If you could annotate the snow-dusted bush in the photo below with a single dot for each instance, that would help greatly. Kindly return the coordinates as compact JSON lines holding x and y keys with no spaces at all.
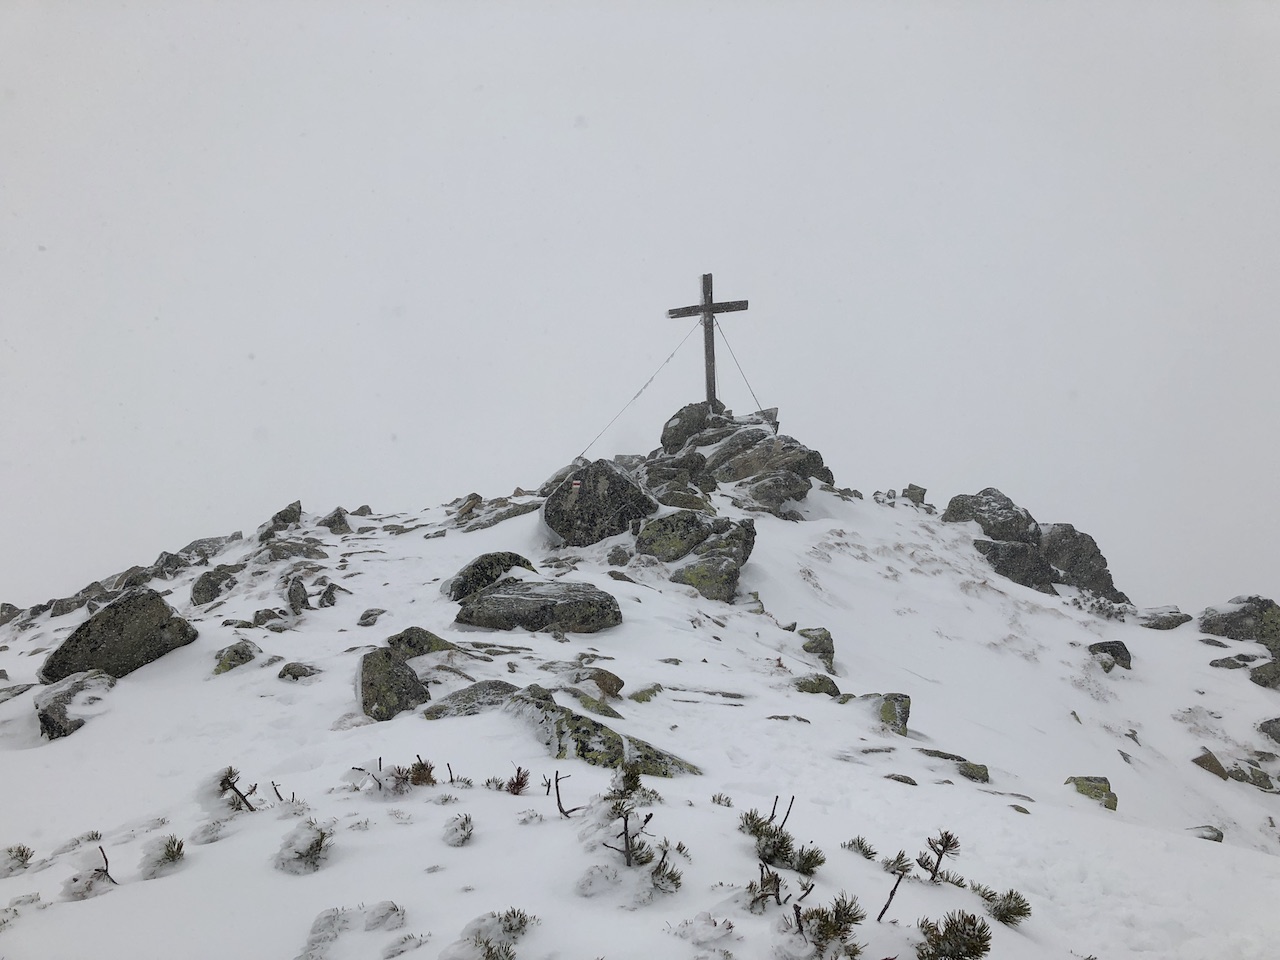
{"x":306,"y":848}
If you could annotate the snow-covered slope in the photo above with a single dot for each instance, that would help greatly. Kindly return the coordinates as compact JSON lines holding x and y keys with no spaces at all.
{"x":996,"y":673}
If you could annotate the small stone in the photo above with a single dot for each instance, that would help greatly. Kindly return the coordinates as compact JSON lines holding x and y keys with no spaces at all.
{"x":817,"y":683}
{"x":1208,"y":761}
{"x":235,"y":655}
{"x":1020,"y":808}
{"x":297,"y":671}
{"x":1115,"y":650}
{"x":297,"y":596}
{"x":901,"y":778}
{"x":1096,"y":788}
{"x":619,"y":556}
{"x":1206,"y":832}
{"x":370,"y":617}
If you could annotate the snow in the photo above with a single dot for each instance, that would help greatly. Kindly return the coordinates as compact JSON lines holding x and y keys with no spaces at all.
{"x":996,"y":673}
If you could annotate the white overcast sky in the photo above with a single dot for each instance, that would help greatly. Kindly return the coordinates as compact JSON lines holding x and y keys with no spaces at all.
{"x":395,"y":252}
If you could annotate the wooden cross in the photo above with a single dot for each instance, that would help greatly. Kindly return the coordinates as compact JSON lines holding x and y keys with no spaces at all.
{"x":708,"y":308}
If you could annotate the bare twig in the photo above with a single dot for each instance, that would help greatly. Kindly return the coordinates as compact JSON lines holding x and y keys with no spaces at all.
{"x":276,"y":787}
{"x":106,"y":866}
{"x":563,"y":812}
{"x":788,"y":813}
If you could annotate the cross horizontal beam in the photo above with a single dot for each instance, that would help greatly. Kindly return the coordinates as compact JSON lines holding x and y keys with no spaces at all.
{"x":699,"y":309}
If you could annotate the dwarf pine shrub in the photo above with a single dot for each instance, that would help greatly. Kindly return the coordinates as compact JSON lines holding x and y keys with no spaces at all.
{"x":458,"y":831}
{"x":945,"y":844}
{"x":518,"y":783}
{"x":19,"y":854}
{"x":807,"y":860}
{"x":860,"y":846}
{"x":422,"y":773}
{"x":1010,"y":908}
{"x":960,"y":936}
{"x":829,"y":929}
{"x":173,"y":849}
{"x":722,"y":800}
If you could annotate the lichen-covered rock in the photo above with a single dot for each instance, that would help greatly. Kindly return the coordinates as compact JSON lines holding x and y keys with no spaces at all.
{"x":1095,"y":788}
{"x":716,"y":578}
{"x":817,"y":683}
{"x":275,"y":550}
{"x":1271,"y":728}
{"x":135,"y":629}
{"x":290,"y":516}
{"x":566,"y":733}
{"x":67,"y":705}
{"x":1208,"y":761}
{"x":673,"y":536}
{"x":417,"y":642}
{"x":1020,"y":562}
{"x":817,"y":641}
{"x":485,"y":695}
{"x":530,"y":605}
{"x":595,"y":502}
{"x":1162,"y":618}
{"x":8,"y":612}
{"x":484,"y":570}
{"x":297,"y":671}
{"x":756,"y":450}
{"x":1245,"y":618}
{"x":336,"y":522}
{"x":1113,"y":650}
{"x":387,"y":686}
{"x":214,"y":583}
{"x":688,"y":421}
{"x":892,"y":709}
{"x":914,"y":493}
{"x":1267,"y":675}
{"x":977,"y":772}
{"x":998,"y":516}
{"x":1078,"y":560}
{"x":235,"y":655}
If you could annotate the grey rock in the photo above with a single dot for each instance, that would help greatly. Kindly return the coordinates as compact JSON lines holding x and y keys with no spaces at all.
{"x":262,"y":618}
{"x":559,"y":605}
{"x":901,"y":778}
{"x":484,"y":570}
{"x":485,"y":695}
{"x":387,"y":686}
{"x":688,"y":421}
{"x":977,"y":772}
{"x":1271,"y":728}
{"x":129,"y":633}
{"x":329,"y":596}
{"x":364,"y":510}
{"x":1020,"y":562}
{"x":998,"y":516}
{"x":235,"y":655}
{"x":8,"y":612}
{"x":595,"y":502}
{"x":1208,"y":761}
{"x":17,"y":690}
{"x":894,"y":710}
{"x":1245,"y":618}
{"x":206,"y":548}
{"x":1228,"y":663}
{"x":818,"y":641}
{"x":1096,"y":788}
{"x":1162,"y":618}
{"x":914,"y":493}
{"x":1210,"y":642}
{"x":566,"y":733}
{"x":1116,"y":650}
{"x":297,"y":671}
{"x":416,"y":642}
{"x":64,"y":707}
{"x":619,"y":556}
{"x":777,"y":488}
{"x":370,"y":617}
{"x":716,"y":578}
{"x":276,"y":550}
{"x":1267,"y":675}
{"x":1206,"y":832}
{"x":1079,"y":561}
{"x":282,"y":520}
{"x":297,"y":596}
{"x":336,"y":522}
{"x":214,"y":583}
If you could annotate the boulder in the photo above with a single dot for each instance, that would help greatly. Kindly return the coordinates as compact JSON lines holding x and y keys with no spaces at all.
{"x":756,"y":449}
{"x":673,"y":536}
{"x":275,"y":550}
{"x":817,"y":683}
{"x":387,"y":686}
{"x":1162,"y":618}
{"x":530,"y":605}
{"x":336,"y":522}
{"x":206,"y":548}
{"x":566,"y":733}
{"x":690,"y":420}
{"x":1114,"y":651}
{"x":214,"y":583}
{"x":370,"y":617}
{"x":1096,"y":788}
{"x":1271,"y":728}
{"x":977,"y":772}
{"x":485,"y":695}
{"x":64,"y":707}
{"x":297,"y":671}
{"x":329,"y":597}
{"x":1078,"y":560}
{"x":1267,"y":675}
{"x":235,"y":655}
{"x":129,"y":633}
{"x":484,"y":570}
{"x":716,"y":578}
{"x":914,"y":493}
{"x":619,"y":556}
{"x":290,"y":516}
{"x":297,"y":596}
{"x":8,"y":612}
{"x":1245,"y":618}
{"x":595,"y":502}
{"x":777,"y":488}
{"x":416,"y":642}
{"x":817,"y":641}
{"x":998,"y":516}
{"x":1020,"y":562}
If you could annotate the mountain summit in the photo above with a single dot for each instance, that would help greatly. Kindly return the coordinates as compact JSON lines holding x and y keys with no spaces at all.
{"x":701,"y":703}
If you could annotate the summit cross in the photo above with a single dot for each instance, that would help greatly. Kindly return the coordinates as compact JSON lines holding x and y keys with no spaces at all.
{"x":708,"y":309}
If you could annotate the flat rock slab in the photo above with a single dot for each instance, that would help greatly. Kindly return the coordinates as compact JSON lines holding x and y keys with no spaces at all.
{"x":570,"y":607}
{"x":467,"y":702}
{"x":484,"y":571}
{"x":136,"y":629}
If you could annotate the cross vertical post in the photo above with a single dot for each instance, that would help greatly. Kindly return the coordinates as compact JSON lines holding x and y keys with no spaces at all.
{"x":708,"y":309}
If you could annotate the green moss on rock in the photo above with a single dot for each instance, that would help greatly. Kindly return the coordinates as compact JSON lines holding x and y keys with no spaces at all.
{"x":1095,"y":788}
